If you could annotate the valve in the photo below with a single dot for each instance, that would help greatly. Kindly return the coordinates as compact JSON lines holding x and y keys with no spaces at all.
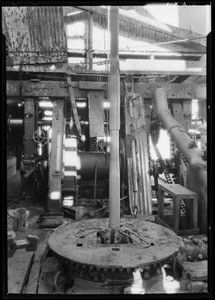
{"x":39,"y":137}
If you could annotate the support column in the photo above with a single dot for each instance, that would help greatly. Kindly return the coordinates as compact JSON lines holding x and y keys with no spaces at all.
{"x":55,"y":168}
{"x":90,"y":41}
{"x":114,"y":92}
{"x":29,"y":128}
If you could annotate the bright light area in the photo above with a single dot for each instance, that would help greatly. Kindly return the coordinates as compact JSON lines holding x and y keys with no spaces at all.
{"x":163,"y":146}
{"x":170,"y":285}
{"x":75,"y":44}
{"x":49,"y":133}
{"x":195,"y":108}
{"x":81,"y":104}
{"x":70,"y":158}
{"x":106,"y":139}
{"x":166,"y":13}
{"x":137,"y":285}
{"x":70,"y":173}
{"x":106,"y":104}
{"x":101,"y":39}
{"x":84,"y":122}
{"x":55,"y":195}
{"x":40,"y":150}
{"x":52,"y":68}
{"x":151,"y":149}
{"x":71,"y":142}
{"x":200,"y":23}
{"x":76,"y":29}
{"x":153,"y":22}
{"x":68,"y":201}
{"x":100,"y":42}
{"x":208,"y":19}
{"x":46,"y":128}
{"x":76,"y":60}
{"x":83,"y":138}
{"x":47,"y":118}
{"x":16,"y":68}
{"x":45,"y":104}
{"x":159,"y":66}
{"x":194,"y":131}
{"x":74,"y":13}
{"x":48,"y":113}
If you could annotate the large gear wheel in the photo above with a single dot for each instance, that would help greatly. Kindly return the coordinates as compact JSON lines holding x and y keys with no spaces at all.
{"x":80,"y":249}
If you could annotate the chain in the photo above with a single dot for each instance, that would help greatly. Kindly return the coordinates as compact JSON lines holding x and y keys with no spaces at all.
{"x":163,"y":165}
{"x":166,"y":173}
{"x":185,"y":161}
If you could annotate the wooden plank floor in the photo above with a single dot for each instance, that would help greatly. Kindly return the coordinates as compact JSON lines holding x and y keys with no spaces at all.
{"x":17,"y":269}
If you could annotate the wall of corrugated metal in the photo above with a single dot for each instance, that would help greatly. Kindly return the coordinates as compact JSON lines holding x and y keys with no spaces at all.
{"x":35,"y":29}
{"x":46,"y":28}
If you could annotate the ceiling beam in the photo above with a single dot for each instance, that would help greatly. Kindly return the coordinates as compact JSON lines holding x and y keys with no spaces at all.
{"x":176,"y":33}
{"x":58,"y":89}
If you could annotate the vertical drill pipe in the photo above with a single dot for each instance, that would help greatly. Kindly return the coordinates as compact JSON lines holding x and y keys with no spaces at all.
{"x":114,"y":124}
{"x":180,"y":137}
{"x":95,"y":181}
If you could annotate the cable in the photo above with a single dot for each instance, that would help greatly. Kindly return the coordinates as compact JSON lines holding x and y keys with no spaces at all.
{"x":164,"y":43}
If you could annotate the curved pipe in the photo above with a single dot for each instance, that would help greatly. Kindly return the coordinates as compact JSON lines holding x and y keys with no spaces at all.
{"x":181,"y":138}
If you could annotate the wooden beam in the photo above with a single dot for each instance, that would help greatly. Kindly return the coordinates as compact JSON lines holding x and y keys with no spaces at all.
{"x":87,"y":85}
{"x":178,"y":113}
{"x":17,"y":268}
{"x":59,"y":89}
{"x":29,"y":127}
{"x":96,"y":113}
{"x":173,"y":90}
{"x":54,"y":204}
{"x":164,"y":66}
{"x":135,"y":65}
{"x":90,"y":40}
{"x":73,"y":106}
{"x":138,"y":55}
{"x":173,"y":32}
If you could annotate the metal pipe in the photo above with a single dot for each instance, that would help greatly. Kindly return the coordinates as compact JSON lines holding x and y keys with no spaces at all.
{"x":181,"y":138}
{"x":134,"y":169}
{"x":114,"y":124}
{"x":141,"y":139}
{"x":95,"y":181}
{"x":12,"y":123}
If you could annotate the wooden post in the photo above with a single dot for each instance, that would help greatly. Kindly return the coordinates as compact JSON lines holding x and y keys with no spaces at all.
{"x":29,"y":128}
{"x":55,"y":169}
{"x":160,"y":203}
{"x":89,"y":43}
